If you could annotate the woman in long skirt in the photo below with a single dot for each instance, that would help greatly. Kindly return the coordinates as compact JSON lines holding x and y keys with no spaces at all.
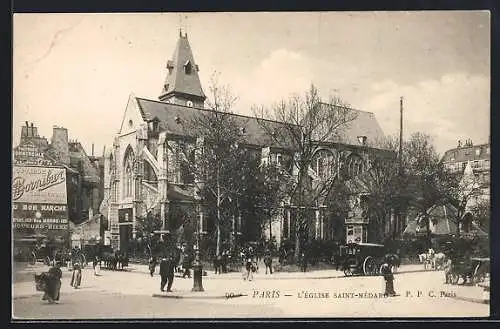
{"x":97,"y":266}
{"x":76,"y":278}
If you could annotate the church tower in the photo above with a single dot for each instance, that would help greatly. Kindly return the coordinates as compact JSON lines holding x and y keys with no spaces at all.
{"x":182,"y":85}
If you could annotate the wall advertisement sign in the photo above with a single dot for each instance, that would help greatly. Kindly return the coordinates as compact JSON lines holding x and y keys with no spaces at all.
{"x":28,"y":154}
{"x":39,"y":199}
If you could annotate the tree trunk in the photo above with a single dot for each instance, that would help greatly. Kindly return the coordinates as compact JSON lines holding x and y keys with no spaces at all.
{"x":270,"y":229}
{"x":459,"y":216}
{"x":428,"y":229}
{"x":296,"y":254}
{"x":217,"y":250}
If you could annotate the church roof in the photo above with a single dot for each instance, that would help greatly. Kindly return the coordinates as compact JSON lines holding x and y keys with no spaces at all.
{"x":175,"y":119}
{"x":364,"y":124}
{"x":182,"y":72}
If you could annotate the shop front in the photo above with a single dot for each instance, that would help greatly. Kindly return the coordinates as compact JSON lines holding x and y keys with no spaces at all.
{"x":39,"y":208}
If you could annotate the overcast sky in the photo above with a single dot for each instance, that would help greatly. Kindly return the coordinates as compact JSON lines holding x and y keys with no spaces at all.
{"x":77,"y":70}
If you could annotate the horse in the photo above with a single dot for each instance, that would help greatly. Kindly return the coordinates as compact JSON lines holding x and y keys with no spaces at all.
{"x":426,"y":259}
{"x":438,"y":261}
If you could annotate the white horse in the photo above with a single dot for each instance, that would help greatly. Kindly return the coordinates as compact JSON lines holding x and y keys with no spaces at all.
{"x":438,"y":261}
{"x":426,"y":259}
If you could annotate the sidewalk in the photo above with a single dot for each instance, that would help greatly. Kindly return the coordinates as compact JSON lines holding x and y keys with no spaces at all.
{"x":317,"y":274}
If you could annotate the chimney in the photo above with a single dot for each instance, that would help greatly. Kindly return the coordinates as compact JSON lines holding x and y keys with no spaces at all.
{"x":24,"y":132}
{"x":92,"y":149}
{"x":34,"y":130}
{"x":60,"y":143}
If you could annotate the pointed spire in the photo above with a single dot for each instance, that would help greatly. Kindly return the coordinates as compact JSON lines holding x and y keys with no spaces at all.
{"x":182,"y":83}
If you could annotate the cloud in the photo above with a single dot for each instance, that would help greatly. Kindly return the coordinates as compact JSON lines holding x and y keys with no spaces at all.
{"x":456,"y":106}
{"x":278,"y":76}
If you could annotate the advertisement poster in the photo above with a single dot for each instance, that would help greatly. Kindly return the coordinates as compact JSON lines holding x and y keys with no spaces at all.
{"x":39,"y":199}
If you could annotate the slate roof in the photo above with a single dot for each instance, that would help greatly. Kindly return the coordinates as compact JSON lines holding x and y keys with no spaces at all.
{"x":364,"y":124}
{"x":175,"y":119}
{"x":177,"y":81}
{"x":466,"y":153}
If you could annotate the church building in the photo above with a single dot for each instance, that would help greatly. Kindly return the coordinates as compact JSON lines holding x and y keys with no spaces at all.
{"x":142,"y":173}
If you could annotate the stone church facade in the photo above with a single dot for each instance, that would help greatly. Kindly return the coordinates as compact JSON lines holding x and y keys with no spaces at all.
{"x":142,"y":172}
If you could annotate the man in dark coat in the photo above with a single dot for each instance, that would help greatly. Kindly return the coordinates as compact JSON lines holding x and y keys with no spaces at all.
{"x":152,"y":265}
{"x":163,"y":273}
{"x":268,"y":261}
{"x":303,"y":262}
{"x":389,"y":280}
{"x":171,"y":264}
{"x":186,"y":264}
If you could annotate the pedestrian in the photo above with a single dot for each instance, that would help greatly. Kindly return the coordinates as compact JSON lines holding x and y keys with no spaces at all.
{"x":50,"y":283}
{"x":218,"y":264}
{"x":76,"y":278}
{"x":69,"y":262}
{"x":170,"y":272}
{"x":152,"y":265}
{"x":249,"y":270}
{"x":268,"y":261}
{"x":186,"y":265}
{"x":447,"y":271}
{"x":303,"y":262}
{"x":163,"y":273}
{"x":389,"y":280}
{"x":97,"y":266}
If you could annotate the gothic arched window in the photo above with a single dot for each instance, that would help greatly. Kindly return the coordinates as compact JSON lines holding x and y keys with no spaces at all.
{"x":355,"y":165}
{"x":324,"y":163}
{"x":128,"y":173}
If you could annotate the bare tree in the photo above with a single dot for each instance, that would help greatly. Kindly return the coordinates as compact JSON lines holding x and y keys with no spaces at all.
{"x":307,"y":124}
{"x":428,"y":182}
{"x":214,"y":155}
{"x":383,"y":184}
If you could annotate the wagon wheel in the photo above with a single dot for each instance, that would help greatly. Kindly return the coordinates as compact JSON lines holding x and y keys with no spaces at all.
{"x":477,"y":276}
{"x":369,"y":266}
{"x":32,"y":258}
{"x":46,"y":261}
{"x":83,"y":260}
{"x":393,"y":269}
{"x":348,"y":271}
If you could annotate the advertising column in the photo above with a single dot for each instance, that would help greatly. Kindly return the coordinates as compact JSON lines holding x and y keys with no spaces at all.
{"x":39,"y":201}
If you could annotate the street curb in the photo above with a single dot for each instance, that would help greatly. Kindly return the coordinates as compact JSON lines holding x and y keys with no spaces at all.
{"x":26,"y":296}
{"x":472,"y":300}
{"x":174,"y":296}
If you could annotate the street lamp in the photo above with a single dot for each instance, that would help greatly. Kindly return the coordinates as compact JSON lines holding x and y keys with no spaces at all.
{"x":197,"y":266}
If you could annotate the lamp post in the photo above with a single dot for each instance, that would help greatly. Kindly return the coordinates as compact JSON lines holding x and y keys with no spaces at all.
{"x":197,"y":266}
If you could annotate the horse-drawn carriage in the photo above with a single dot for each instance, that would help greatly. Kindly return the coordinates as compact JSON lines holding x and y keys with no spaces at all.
{"x":38,"y":248}
{"x":365,"y":259}
{"x":473,"y":270}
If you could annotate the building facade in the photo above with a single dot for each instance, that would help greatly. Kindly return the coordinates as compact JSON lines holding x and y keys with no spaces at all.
{"x":80,"y":178}
{"x":476,"y":156}
{"x":143,"y":174}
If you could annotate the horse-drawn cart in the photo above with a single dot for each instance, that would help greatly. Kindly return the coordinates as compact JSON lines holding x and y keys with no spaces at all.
{"x":364,"y":258}
{"x":481,"y":269}
{"x":472,"y":271}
